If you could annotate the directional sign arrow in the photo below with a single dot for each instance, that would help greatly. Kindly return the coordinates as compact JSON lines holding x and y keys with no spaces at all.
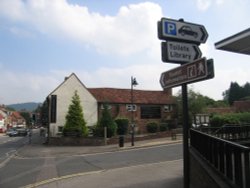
{"x":188,"y":73}
{"x":176,"y":30}
{"x":177,"y":52}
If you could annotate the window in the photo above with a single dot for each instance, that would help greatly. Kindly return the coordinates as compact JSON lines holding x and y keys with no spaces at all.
{"x":150,"y":112}
{"x":53,"y":109}
{"x":60,"y":129}
{"x":131,"y":107}
{"x":168,"y":108}
{"x":108,"y":106}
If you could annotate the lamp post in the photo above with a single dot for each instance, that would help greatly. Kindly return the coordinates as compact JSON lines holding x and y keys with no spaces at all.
{"x":133,"y":83}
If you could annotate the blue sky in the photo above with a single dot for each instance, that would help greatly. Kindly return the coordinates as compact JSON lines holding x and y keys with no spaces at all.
{"x":107,"y":42}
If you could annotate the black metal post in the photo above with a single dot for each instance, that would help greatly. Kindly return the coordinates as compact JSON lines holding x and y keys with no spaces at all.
{"x":132,"y":113}
{"x":185,"y":125}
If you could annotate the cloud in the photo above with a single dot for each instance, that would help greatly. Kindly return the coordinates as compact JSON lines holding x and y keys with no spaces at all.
{"x":17,"y":87}
{"x":131,"y":30}
{"x":203,"y":5}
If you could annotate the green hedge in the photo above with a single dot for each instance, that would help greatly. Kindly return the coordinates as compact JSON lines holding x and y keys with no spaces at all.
{"x":232,"y":118}
{"x":152,"y":127}
{"x":122,"y":126}
{"x":163,"y":127}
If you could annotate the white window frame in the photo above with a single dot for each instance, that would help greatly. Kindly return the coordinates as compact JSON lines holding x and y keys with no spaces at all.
{"x":58,"y":129}
{"x":131,"y":107}
{"x":109,"y":106}
{"x":168,"y":108}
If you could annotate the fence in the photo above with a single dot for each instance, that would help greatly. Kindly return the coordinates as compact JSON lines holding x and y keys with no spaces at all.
{"x":229,"y":158}
{"x":229,"y":132}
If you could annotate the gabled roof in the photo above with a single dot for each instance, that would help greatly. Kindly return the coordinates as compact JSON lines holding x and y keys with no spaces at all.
{"x":16,"y":115}
{"x":65,"y":80}
{"x":113,"y":95}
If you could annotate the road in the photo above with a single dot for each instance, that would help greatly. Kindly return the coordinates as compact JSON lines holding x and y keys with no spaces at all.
{"x":22,"y":171}
{"x":9,"y":146}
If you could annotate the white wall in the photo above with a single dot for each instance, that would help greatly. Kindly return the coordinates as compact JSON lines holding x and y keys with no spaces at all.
{"x":64,"y":94}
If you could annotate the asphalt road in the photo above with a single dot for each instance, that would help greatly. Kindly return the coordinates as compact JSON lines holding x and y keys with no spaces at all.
{"x":22,"y":171}
{"x":9,"y":146}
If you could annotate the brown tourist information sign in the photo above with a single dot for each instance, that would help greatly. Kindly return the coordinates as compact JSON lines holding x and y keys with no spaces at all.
{"x":187,"y":73}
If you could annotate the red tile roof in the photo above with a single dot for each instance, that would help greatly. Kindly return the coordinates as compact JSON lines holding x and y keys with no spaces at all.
{"x":113,"y":95}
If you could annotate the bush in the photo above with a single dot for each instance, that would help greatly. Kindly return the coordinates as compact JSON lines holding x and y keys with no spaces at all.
{"x":152,"y":127}
{"x":122,"y":126}
{"x":233,"y":118}
{"x":163,"y":127}
{"x":105,"y":121}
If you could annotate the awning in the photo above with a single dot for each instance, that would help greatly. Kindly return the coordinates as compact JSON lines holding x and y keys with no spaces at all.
{"x":238,"y":43}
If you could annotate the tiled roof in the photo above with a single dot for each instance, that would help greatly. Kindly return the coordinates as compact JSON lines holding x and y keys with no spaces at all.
{"x":113,"y":95}
{"x":16,"y":115}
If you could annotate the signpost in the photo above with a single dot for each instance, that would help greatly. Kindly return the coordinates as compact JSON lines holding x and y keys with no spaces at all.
{"x":179,"y":30}
{"x":181,"y":46}
{"x":179,"y":52}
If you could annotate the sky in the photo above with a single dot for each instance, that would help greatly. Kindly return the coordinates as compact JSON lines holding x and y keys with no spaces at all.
{"x":106,"y":42}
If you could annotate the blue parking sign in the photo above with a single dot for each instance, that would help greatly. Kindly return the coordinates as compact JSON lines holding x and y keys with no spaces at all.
{"x":170,"y":28}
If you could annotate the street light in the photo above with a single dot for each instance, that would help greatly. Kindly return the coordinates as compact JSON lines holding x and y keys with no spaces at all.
{"x":133,"y":83}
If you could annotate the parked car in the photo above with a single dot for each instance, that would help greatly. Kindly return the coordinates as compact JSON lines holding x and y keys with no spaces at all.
{"x":12,"y":132}
{"x":22,"y":132}
{"x":17,"y":132}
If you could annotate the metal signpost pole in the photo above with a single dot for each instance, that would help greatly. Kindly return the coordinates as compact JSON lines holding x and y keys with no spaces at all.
{"x":132,"y":113}
{"x":185,"y":125}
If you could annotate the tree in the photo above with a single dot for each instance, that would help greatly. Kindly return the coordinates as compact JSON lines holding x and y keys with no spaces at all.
{"x":106,"y":121}
{"x":197,"y":103}
{"x":26,"y":116}
{"x":236,"y":92}
{"x":75,"y":124}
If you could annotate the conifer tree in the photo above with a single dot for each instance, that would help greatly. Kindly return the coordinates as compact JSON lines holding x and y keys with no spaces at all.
{"x":75,"y":124}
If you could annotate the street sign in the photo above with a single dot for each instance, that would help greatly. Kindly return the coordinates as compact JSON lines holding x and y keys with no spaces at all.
{"x":179,"y":30}
{"x":179,"y":52}
{"x":198,"y":70}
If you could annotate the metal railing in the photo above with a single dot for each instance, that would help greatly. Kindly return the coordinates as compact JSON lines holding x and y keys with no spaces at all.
{"x":229,"y":158}
{"x":233,"y":132}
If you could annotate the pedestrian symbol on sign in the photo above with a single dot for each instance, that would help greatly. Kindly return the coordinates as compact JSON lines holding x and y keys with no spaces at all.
{"x":191,"y":71}
{"x":201,"y":69}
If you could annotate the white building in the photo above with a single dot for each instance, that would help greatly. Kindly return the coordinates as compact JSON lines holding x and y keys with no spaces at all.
{"x":60,"y":99}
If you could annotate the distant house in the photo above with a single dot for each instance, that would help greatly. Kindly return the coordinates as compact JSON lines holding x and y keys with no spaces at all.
{"x":242,"y":106}
{"x":2,"y":127}
{"x":158,"y":106}
{"x":16,"y":119}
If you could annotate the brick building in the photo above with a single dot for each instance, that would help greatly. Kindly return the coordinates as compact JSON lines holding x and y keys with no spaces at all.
{"x":157,"y":106}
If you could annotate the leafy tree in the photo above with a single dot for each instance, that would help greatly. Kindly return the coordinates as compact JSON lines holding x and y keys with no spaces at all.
{"x":44,"y":112}
{"x":26,"y":116}
{"x":236,"y":92}
{"x":106,"y":121}
{"x":122,"y":125}
{"x":75,"y":124}
{"x":197,"y":103}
